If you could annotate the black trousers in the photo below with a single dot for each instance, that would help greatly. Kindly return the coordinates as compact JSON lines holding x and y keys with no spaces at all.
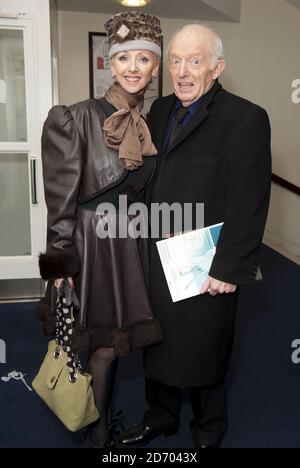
{"x":209,"y":410}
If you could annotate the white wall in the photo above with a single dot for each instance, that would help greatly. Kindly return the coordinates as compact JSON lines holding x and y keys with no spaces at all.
{"x":262,"y":62}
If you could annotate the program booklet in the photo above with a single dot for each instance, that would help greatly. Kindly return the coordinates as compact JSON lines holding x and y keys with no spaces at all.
{"x":187,"y":259}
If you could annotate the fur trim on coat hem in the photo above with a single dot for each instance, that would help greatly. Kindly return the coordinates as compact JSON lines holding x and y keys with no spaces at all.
{"x":56,"y":263}
{"x":123,"y":340}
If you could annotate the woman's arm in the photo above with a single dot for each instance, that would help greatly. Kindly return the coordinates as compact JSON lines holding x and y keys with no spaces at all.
{"x":62,"y":158}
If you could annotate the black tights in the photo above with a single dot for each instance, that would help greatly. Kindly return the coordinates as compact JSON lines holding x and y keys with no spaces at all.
{"x":102,"y":365}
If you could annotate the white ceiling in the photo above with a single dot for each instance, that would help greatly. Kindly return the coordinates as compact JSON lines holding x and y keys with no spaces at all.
{"x":209,"y":10}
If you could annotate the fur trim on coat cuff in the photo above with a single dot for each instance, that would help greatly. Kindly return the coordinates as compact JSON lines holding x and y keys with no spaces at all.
{"x":56,"y":264}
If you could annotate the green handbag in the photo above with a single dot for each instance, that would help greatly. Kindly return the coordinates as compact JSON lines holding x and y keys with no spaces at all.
{"x":60,"y":382}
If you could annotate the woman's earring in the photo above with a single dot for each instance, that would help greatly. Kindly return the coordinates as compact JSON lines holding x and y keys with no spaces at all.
{"x":113,"y":76}
{"x":154,"y":77}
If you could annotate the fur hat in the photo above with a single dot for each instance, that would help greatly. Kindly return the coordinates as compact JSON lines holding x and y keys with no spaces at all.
{"x":131,"y":30}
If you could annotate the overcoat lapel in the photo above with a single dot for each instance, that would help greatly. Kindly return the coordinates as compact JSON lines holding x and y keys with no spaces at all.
{"x":200,"y":115}
{"x":164,"y":118}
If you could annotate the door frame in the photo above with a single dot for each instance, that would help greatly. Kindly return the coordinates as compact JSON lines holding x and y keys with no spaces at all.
{"x":35,"y":22}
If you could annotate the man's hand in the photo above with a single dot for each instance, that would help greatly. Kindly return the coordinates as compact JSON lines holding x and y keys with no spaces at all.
{"x":215,"y":287}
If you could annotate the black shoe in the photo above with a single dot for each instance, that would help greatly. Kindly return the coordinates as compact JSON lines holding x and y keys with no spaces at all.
{"x":198,"y":443}
{"x":143,"y":434}
{"x":109,"y":438}
{"x":207,"y":446}
{"x":90,"y":443}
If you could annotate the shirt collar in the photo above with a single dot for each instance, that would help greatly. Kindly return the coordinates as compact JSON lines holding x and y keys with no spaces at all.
{"x":192,"y":108}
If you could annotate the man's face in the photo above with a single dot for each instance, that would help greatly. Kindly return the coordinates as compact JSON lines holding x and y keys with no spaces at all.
{"x":191,"y":66}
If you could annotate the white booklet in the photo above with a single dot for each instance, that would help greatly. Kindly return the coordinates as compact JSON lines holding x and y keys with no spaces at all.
{"x":187,"y":259}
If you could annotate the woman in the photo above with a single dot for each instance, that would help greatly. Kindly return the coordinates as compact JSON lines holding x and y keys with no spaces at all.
{"x":93,"y":152}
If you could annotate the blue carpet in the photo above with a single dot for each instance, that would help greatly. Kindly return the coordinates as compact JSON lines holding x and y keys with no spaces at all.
{"x":263,"y":382}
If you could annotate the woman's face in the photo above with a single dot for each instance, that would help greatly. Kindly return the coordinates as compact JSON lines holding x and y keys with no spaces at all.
{"x":134,"y":69}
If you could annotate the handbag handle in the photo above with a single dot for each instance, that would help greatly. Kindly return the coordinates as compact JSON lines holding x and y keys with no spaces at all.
{"x":67,"y":291}
{"x":66,"y":302}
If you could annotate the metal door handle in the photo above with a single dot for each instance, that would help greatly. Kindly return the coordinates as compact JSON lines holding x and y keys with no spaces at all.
{"x":9,"y":15}
{"x":34,"y":200}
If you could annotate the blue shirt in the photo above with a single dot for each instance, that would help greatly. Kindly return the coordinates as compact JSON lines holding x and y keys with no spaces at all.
{"x":191,"y":111}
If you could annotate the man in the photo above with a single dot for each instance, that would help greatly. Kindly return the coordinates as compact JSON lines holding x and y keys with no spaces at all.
{"x":214,"y":148}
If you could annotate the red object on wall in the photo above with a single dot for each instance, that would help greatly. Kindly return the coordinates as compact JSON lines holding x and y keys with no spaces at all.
{"x":100,"y":63}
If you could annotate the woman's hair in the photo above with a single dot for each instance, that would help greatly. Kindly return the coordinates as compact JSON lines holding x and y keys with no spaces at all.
{"x":158,"y":59}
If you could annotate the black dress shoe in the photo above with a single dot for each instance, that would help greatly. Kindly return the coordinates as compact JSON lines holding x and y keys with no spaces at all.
{"x":199,"y":444}
{"x":106,"y":438}
{"x":143,"y":434}
{"x":90,"y":443}
{"x":207,"y":446}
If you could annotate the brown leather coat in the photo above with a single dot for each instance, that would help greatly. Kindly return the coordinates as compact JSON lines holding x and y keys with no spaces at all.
{"x":110,"y":275}
{"x":70,"y":177}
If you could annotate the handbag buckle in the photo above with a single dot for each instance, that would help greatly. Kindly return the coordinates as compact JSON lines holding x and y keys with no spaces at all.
{"x":57,"y":353}
{"x":73,"y":378}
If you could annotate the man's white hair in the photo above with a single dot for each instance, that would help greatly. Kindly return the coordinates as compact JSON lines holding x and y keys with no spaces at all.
{"x":217,"y":48}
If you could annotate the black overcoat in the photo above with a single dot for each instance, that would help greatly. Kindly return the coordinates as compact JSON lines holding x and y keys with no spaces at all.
{"x":222,"y":158}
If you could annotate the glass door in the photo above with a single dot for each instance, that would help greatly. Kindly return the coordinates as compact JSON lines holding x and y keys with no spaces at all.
{"x":15,"y":233}
{"x":13,"y":118}
{"x":21,"y":206}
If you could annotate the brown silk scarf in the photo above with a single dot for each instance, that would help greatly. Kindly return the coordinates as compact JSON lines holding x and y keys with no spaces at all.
{"x":126,"y":130}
